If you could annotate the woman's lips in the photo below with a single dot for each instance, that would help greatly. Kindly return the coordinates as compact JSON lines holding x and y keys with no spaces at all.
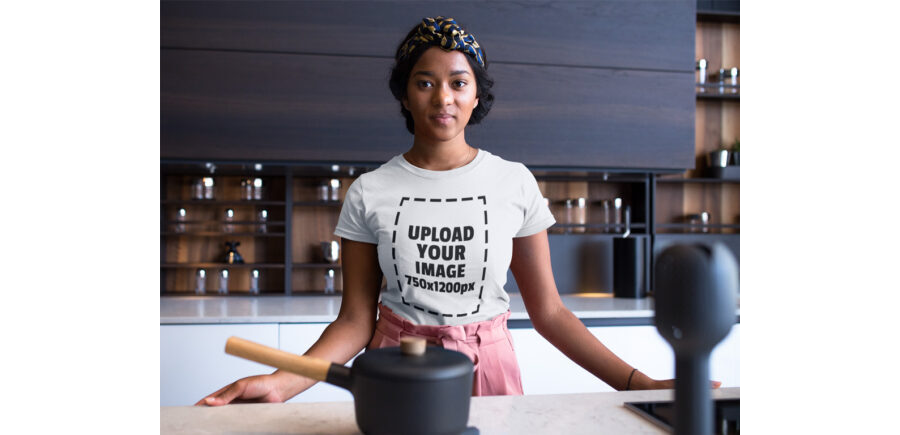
{"x":442,"y":119}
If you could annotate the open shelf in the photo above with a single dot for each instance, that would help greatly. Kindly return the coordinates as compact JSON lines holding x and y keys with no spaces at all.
{"x":220,"y":202}
{"x":222,"y":266}
{"x":698,"y":180}
{"x":219,"y":234}
{"x":316,"y":266}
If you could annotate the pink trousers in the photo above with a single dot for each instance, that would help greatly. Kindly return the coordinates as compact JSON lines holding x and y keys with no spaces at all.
{"x":488,"y":344}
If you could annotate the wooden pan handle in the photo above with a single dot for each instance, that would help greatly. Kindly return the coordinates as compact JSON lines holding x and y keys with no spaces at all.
{"x":311,"y":367}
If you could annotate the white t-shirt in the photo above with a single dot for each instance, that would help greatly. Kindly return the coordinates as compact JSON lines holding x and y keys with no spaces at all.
{"x":444,"y":237}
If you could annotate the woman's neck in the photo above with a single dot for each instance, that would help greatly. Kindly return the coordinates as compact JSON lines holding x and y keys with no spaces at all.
{"x":440,"y":156}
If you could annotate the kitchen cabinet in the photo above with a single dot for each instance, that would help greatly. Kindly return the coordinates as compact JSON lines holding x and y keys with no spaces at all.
{"x":298,"y":338}
{"x":545,"y":370}
{"x":193,"y":362}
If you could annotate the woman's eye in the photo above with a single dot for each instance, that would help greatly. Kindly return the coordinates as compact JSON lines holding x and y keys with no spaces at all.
{"x":460,"y":83}
{"x":424,"y":84}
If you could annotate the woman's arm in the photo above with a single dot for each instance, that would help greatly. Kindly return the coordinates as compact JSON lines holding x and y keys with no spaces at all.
{"x":341,"y":340}
{"x":355,"y":324}
{"x":534,"y":275}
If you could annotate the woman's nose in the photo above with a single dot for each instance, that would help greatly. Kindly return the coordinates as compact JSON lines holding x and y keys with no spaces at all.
{"x":442,"y":96}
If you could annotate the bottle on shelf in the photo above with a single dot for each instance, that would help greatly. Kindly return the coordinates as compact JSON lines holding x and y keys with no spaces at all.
{"x":334,"y":190}
{"x":329,"y":282}
{"x":223,"y":282}
{"x":576,"y":213}
{"x":262,"y":216}
{"x":209,"y":186}
{"x":228,"y":227}
{"x":701,"y":75}
{"x":254,"y":281}
{"x":246,"y":189}
{"x":257,"y":189}
{"x":180,"y":218}
{"x":200,"y":287}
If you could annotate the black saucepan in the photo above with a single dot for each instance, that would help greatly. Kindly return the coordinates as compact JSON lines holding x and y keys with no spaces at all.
{"x":412,"y":389}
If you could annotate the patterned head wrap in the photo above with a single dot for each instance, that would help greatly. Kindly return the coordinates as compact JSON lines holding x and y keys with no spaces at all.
{"x":447,"y":33}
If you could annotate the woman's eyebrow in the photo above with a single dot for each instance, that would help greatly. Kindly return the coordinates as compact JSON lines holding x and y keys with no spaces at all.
{"x":431,"y":74}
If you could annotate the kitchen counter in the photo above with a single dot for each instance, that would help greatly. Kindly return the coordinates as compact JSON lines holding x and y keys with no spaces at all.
{"x":324,"y":309}
{"x":570,"y":414}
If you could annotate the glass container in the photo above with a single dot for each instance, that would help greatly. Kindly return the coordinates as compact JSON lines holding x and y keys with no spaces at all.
{"x":254,"y":281}
{"x":209,"y":186}
{"x":334,"y":189}
{"x":329,"y":281}
{"x":228,"y":227}
{"x":223,"y":282}
{"x":257,"y":189}
{"x":179,"y":219}
{"x":200,"y":283}
{"x":262,"y":216}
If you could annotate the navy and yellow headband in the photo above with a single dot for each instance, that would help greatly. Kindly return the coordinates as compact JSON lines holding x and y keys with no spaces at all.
{"x":447,"y":33}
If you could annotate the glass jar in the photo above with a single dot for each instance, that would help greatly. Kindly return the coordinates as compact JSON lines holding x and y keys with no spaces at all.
{"x":733,"y":79}
{"x":228,"y":227}
{"x":702,"y":64}
{"x":334,"y":189}
{"x":200,"y":282}
{"x":223,"y":282}
{"x":329,"y":281}
{"x":209,"y":186}
{"x":262,"y":217}
{"x":197,"y":189}
{"x":254,"y":281}
{"x":322,"y":193}
{"x":179,"y":219}
{"x":257,"y":189}
{"x":246,"y":189}
{"x":576,"y":214}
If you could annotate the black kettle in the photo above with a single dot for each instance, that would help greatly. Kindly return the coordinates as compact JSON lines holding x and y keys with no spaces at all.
{"x":411,"y":389}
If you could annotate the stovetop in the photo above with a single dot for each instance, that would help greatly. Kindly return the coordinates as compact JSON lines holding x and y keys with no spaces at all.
{"x":727,"y":414}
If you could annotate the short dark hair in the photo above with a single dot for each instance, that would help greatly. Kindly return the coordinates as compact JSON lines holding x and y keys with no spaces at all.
{"x":403,"y":67}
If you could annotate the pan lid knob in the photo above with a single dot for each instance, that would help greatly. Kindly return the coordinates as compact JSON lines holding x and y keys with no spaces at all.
{"x":412,"y":346}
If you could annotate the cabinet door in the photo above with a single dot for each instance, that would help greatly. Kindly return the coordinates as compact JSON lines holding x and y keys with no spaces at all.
{"x":298,"y":338}
{"x":545,"y":370}
{"x":193,"y":362}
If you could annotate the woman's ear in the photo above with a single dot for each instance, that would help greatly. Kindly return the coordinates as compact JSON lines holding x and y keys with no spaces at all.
{"x":476,"y":103}
{"x":405,"y":102}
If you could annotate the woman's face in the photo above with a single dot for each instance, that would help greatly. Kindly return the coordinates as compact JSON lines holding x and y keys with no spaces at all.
{"x":441,"y":94}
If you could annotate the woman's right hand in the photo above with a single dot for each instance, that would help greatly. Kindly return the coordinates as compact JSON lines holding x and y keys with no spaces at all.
{"x":253,"y":389}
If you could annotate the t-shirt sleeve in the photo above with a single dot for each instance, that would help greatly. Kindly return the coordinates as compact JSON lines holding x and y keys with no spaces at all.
{"x":352,"y":223}
{"x":537,"y":213}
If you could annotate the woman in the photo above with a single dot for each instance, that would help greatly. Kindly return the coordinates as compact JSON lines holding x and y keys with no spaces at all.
{"x":442,"y":223}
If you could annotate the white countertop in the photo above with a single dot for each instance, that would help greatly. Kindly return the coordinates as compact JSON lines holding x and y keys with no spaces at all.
{"x":570,"y":414}
{"x":324,"y":309}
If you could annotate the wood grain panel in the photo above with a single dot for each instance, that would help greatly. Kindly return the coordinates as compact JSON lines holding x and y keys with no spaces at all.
{"x":306,"y":107}
{"x":616,"y":34}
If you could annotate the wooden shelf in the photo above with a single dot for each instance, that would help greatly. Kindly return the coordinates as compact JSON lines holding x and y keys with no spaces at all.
{"x":698,"y":180}
{"x":219,"y":233}
{"x":222,"y":266}
{"x":318,"y":203}
{"x":220,"y":202}
{"x":316,"y":265}
{"x":219,"y":222}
